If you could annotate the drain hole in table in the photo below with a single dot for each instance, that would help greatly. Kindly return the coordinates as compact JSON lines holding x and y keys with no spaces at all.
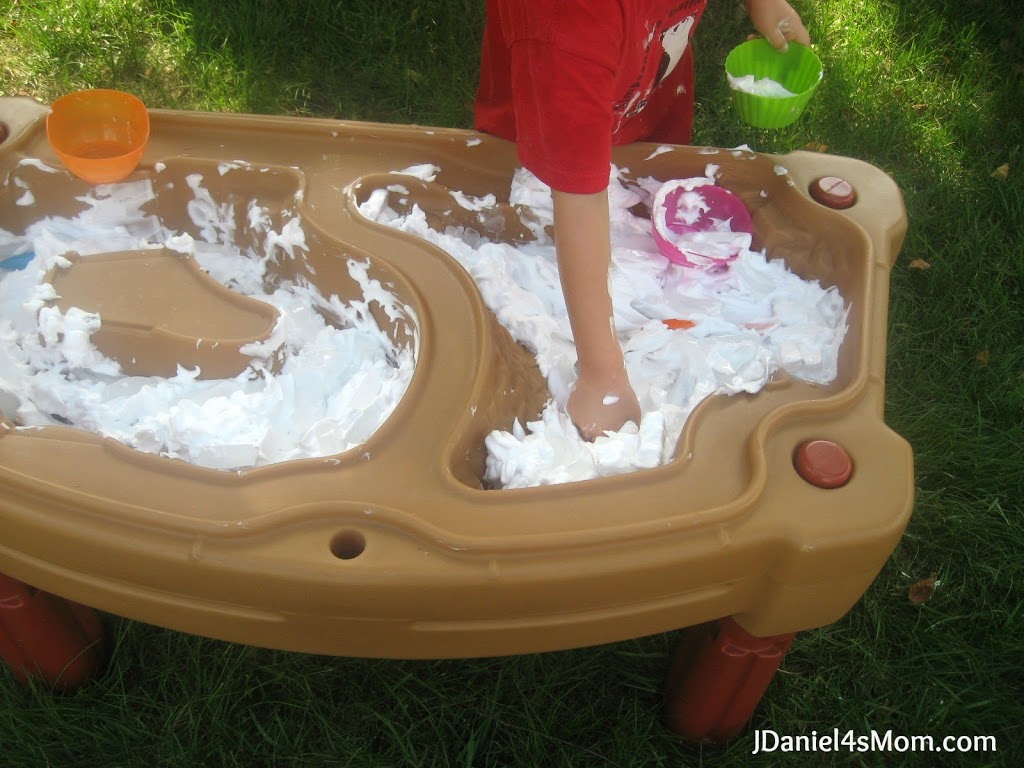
{"x":348,"y":545}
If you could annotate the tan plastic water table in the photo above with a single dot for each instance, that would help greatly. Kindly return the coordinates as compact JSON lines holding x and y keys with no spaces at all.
{"x":775,"y":516}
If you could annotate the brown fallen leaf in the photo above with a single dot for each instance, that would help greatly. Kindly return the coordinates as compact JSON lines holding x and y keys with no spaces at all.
{"x":1002,"y":172}
{"x":919,"y":107}
{"x":921,"y":592}
{"x":815,"y":146}
{"x":982,"y":357}
{"x":920,"y":264}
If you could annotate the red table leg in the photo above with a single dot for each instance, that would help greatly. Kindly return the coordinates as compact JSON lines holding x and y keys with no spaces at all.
{"x":46,"y":637}
{"x":717,"y":679}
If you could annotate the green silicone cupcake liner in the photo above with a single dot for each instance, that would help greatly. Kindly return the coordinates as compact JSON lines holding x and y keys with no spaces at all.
{"x":798,"y":70}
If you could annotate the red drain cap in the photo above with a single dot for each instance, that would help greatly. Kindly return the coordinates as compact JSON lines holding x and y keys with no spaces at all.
{"x":823,"y":463}
{"x":833,"y":192}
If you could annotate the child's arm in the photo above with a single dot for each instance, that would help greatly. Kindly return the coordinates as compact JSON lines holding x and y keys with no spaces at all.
{"x":777,"y":22}
{"x":602,"y":398}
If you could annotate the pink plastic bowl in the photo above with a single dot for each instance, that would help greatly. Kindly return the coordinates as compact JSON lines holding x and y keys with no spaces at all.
{"x":723,"y":212}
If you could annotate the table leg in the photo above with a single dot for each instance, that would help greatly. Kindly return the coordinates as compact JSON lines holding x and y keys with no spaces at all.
{"x":718,"y":676}
{"x":46,"y":637}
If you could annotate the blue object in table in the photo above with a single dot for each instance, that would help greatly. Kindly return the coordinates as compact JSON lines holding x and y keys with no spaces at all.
{"x":14,"y":263}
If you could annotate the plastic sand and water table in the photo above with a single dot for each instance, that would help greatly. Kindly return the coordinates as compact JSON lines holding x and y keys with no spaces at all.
{"x":300,"y":383}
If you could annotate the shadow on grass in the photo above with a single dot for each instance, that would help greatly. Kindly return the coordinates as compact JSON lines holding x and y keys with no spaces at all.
{"x":382,"y":60}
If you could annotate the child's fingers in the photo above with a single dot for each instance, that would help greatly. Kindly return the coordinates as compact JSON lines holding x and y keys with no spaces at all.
{"x":777,"y":22}
{"x":788,"y":28}
{"x":793,"y":29}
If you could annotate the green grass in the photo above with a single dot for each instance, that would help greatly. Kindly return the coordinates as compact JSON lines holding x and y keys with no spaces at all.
{"x":930,"y":91}
{"x":387,"y":60}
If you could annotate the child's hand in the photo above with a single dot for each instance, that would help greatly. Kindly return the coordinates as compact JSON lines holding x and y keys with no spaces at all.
{"x":777,"y":22}
{"x":602,"y":402}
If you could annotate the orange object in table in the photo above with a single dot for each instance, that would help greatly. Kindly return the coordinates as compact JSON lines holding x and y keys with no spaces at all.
{"x":99,"y":134}
{"x":677,"y":324}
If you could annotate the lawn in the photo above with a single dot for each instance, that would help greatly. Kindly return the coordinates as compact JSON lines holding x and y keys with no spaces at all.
{"x":929,"y":91}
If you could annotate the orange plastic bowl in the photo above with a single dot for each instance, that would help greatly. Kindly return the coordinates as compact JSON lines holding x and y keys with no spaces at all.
{"x":98,"y":134}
